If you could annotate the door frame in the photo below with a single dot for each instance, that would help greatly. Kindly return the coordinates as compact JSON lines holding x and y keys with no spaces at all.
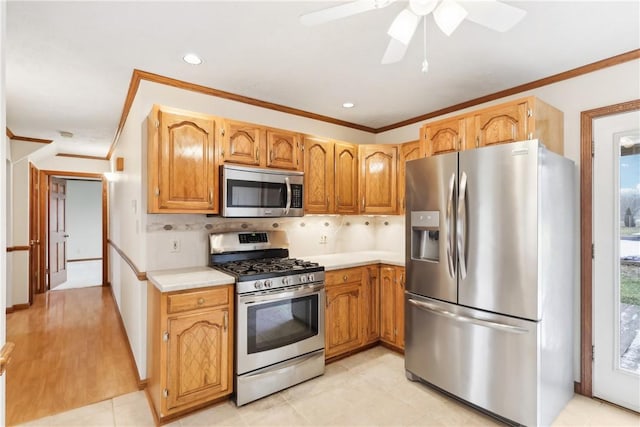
{"x":585,"y":386}
{"x":43,"y":216}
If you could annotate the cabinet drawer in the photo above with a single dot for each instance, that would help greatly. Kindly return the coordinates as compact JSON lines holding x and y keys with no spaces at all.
{"x":198,"y":299}
{"x":346,"y":275}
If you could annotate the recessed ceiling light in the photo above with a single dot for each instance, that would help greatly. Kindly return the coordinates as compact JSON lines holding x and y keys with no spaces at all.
{"x":192,"y":58}
{"x":348,"y":105}
{"x":66,"y":134}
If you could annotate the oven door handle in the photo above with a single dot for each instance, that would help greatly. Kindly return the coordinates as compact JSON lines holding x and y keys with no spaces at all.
{"x":301,"y":291}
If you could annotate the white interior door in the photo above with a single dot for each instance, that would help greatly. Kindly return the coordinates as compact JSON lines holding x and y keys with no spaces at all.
{"x":616,"y":265}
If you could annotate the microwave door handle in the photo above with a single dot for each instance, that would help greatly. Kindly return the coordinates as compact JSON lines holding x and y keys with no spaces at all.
{"x":288,"y":205}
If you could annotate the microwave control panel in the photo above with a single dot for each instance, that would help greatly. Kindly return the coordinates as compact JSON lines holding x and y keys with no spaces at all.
{"x":296,"y":196}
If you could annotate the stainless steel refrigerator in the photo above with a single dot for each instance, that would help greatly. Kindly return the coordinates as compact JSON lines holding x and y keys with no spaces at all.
{"x":490,"y":259}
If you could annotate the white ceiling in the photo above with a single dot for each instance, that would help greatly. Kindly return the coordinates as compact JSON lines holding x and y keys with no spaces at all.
{"x":69,"y":64}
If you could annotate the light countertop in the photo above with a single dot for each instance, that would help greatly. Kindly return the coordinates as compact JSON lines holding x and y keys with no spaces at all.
{"x":356,"y":259}
{"x":188,"y":278}
{"x":201,"y":277}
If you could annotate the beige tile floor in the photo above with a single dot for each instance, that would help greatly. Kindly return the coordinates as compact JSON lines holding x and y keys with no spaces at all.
{"x":363,"y":390}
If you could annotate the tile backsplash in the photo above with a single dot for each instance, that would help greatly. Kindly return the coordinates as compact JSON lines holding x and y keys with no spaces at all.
{"x":308,"y":235}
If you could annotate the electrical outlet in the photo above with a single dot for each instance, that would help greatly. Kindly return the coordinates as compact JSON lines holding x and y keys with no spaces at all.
{"x":174,"y":245}
{"x":323,"y":239}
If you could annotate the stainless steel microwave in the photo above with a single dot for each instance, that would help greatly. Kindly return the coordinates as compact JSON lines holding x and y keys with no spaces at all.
{"x":255,"y":193}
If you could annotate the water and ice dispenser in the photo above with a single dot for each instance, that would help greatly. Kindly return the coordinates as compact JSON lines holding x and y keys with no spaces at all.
{"x":425,"y":236}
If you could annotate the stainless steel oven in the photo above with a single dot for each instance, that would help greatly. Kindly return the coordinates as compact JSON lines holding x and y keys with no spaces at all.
{"x":279,"y":312}
{"x":255,"y":192}
{"x":278,"y":325}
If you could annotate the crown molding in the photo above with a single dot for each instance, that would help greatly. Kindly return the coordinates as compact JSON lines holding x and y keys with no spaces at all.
{"x":139,"y":75}
{"x":14,"y":137}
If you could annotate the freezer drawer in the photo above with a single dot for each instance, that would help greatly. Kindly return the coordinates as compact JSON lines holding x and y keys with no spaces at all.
{"x":488,"y":360}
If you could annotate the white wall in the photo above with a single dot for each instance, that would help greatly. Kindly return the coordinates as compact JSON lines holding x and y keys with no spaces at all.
{"x":84,"y":219}
{"x":3,"y":155}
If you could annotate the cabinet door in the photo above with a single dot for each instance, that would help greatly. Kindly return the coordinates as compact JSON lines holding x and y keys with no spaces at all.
{"x":371,"y":297}
{"x":501,"y":124}
{"x":445,"y":136}
{"x":400,"y":272}
{"x":408,"y":151}
{"x":184,"y":164}
{"x":318,"y":176}
{"x":343,"y":318}
{"x":378,"y":179}
{"x":242,"y":143}
{"x":346,"y":170}
{"x":198,"y":357}
{"x":283,"y":150}
{"x":388,"y":304}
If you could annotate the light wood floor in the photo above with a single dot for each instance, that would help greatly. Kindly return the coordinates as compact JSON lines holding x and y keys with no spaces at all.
{"x":70,"y":351}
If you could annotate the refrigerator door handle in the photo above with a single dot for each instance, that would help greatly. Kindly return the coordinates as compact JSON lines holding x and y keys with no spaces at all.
{"x":449,"y":225}
{"x":467,"y":319}
{"x":461,"y":225}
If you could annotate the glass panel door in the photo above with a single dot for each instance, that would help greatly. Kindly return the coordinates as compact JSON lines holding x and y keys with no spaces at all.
{"x":616,"y":263}
{"x":629,"y":273}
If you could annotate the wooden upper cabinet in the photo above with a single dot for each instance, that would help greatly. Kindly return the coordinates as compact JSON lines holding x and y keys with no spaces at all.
{"x":408,"y":151}
{"x":283,"y":149}
{"x":517,"y":120}
{"x":242,"y":143}
{"x":445,"y":136}
{"x":500,"y":125}
{"x":181,"y":162}
{"x":346,"y":173}
{"x":378,"y":179}
{"x":319,"y":176}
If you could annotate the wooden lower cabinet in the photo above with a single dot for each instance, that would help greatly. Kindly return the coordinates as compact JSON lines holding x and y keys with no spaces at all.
{"x":392,"y":286}
{"x":371,"y":304}
{"x":364,"y":305}
{"x":344,"y":330}
{"x":189,"y":348}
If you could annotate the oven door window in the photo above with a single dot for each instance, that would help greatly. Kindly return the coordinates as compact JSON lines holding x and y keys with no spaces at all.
{"x":252,"y":194}
{"x":281,"y":323}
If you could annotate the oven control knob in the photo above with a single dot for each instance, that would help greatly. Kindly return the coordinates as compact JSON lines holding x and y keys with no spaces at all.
{"x":285,"y":281}
{"x":303,"y":278}
{"x":258,"y":284}
{"x":310,"y":277}
{"x":267,"y":283}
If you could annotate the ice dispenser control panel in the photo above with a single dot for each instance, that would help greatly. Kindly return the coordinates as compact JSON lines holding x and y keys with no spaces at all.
{"x":425,"y":235}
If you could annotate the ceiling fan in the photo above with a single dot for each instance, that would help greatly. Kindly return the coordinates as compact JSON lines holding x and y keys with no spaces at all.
{"x":448,"y":15}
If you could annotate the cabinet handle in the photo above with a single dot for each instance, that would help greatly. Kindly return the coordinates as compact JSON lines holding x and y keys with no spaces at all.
{"x":157,"y":192}
{"x":345,"y":277}
{"x":327,"y":201}
{"x":225,"y":321}
{"x":459,"y":144}
{"x":363,"y":203}
{"x":271,"y":156}
{"x":210,"y":197}
{"x":222,"y":131}
{"x":477,"y":141}
{"x":257,"y":154}
{"x":200,"y":301}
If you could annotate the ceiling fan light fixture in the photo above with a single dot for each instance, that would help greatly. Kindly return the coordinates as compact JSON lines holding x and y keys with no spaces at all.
{"x":192,"y":58}
{"x":403,"y":27}
{"x":422,"y":7}
{"x":449,"y":15}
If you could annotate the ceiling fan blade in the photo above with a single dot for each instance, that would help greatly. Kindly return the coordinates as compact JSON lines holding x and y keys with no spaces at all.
{"x":493,"y":14}
{"x":342,"y":11}
{"x":449,"y":15}
{"x":403,"y":27}
{"x":395,"y":51}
